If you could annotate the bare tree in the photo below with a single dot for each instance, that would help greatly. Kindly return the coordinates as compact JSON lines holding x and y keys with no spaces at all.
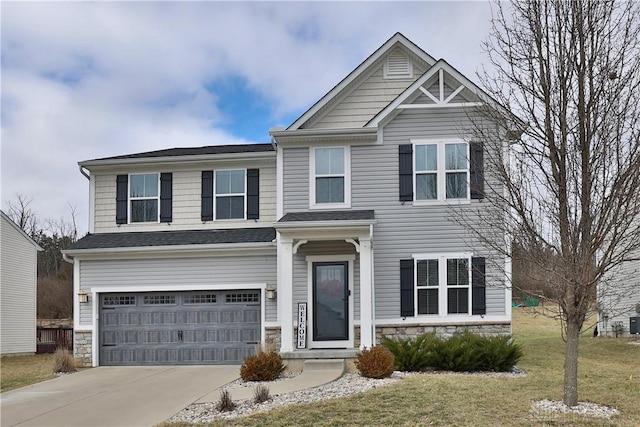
{"x":20,"y":213}
{"x":569,"y":184}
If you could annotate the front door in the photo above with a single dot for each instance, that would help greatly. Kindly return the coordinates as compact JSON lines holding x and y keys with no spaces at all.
{"x":330,"y":304}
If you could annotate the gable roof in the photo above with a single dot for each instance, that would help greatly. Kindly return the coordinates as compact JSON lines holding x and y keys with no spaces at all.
{"x":20,"y":230}
{"x":414,"y":90}
{"x":396,"y":40}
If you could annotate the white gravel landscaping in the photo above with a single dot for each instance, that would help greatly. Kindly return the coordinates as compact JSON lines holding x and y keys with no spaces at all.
{"x":350,"y":383}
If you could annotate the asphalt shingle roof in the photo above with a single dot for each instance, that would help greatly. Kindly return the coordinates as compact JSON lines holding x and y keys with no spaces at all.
{"x":328,"y":216}
{"x":174,"y":238}
{"x":197,"y":151}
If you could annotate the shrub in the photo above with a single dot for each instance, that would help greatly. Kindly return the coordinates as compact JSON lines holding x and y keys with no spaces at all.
{"x":411,"y":354}
{"x":264,"y":366}
{"x":377,"y":362}
{"x":261,"y":394}
{"x":462,"y":352}
{"x":63,"y":361}
{"x":225,"y":404}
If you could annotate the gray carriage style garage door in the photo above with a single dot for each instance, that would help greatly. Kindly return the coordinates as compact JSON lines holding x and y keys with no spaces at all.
{"x":181,"y":328}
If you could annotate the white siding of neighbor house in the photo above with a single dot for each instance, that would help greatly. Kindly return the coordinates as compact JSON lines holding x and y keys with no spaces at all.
{"x":179,"y":274}
{"x":187,"y":188}
{"x":366,"y":101}
{"x":619,"y":294}
{"x":17,"y":291}
{"x":401,"y":229}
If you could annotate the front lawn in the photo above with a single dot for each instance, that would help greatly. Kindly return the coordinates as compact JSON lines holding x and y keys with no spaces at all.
{"x":20,"y":371}
{"x":609,"y":375}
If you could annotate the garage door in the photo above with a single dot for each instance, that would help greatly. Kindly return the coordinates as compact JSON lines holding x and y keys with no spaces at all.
{"x":181,"y":328}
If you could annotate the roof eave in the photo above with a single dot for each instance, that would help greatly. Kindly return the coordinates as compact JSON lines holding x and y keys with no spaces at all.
{"x":337,"y":224}
{"x":218,"y":247}
{"x":365,"y":135}
{"x":178,"y":159}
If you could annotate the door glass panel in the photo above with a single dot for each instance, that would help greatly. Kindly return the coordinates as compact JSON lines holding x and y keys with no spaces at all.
{"x":330,"y":302}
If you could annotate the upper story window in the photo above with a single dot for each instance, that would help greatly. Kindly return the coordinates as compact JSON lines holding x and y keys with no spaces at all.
{"x":330,"y":177}
{"x":441,"y":171}
{"x":230,"y":194}
{"x":144,"y":197}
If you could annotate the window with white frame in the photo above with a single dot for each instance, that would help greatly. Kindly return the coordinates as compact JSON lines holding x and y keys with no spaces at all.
{"x":330,"y":176}
{"x":442,"y":281}
{"x":144,"y":197}
{"x":441,"y":170}
{"x":230,"y":194}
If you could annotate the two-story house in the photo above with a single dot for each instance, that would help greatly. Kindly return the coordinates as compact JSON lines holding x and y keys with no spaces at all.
{"x":337,"y":232}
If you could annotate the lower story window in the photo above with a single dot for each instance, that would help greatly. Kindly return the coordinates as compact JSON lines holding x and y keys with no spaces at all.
{"x":442,"y":282}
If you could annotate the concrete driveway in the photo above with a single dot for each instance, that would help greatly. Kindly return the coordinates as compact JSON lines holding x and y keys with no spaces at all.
{"x":112,"y":396}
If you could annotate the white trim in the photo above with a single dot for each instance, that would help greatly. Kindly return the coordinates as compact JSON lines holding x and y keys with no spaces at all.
{"x":441,"y":171}
{"x":95,"y":298}
{"x":182,"y":250}
{"x":215,"y":194}
{"x":405,"y":62}
{"x":346,"y":176}
{"x":131,"y":198}
{"x":285,"y":292}
{"x":442,"y":320}
{"x":92,"y":202}
{"x":350,"y":259}
{"x":76,"y":289}
{"x":447,"y":105}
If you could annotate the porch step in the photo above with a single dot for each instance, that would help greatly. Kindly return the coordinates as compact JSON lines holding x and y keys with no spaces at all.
{"x":324,"y":365}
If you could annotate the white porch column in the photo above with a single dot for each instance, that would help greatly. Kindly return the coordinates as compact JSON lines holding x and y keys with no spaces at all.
{"x":285,"y":293}
{"x":366,"y":294}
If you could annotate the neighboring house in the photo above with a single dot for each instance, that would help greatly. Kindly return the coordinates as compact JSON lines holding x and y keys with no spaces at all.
{"x":199,"y":255}
{"x":18,"y":289}
{"x":619,"y":300}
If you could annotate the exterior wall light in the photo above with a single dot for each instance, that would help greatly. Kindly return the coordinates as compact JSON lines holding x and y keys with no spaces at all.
{"x":83,"y":297}
{"x":271,"y":292}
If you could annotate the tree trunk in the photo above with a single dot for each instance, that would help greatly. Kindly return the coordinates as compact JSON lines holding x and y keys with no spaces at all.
{"x":571,"y":364}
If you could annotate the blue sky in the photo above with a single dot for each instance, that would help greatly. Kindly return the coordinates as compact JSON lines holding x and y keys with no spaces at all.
{"x":84,"y":80}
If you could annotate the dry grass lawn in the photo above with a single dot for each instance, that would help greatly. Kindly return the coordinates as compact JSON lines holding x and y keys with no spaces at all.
{"x":20,"y":371}
{"x":609,"y":374}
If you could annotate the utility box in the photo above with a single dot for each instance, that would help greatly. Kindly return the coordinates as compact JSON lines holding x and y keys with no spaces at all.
{"x":634,"y":325}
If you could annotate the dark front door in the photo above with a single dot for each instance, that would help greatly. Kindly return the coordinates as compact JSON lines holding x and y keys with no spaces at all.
{"x":330,"y":301}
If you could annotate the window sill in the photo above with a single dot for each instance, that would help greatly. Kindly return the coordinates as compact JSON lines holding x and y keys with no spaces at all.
{"x":329,"y":206}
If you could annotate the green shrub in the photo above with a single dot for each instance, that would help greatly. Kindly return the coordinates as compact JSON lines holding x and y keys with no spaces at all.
{"x":63,"y":361}
{"x":462,"y":352}
{"x":264,"y":366}
{"x":411,"y":354}
{"x":377,"y":362}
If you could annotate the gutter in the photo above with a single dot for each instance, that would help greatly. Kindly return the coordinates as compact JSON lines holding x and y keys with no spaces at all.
{"x":66,"y":258}
{"x":226,"y":247}
{"x":82,"y":171}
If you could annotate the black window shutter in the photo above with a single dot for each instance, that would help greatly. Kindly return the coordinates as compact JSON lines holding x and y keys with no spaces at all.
{"x":476,"y":170}
{"x":253,"y":193}
{"x":478,"y":287}
{"x":122,"y":184}
{"x":206,"y":211}
{"x":406,"y":288}
{"x":405,"y":164}
{"x":166,"y":194}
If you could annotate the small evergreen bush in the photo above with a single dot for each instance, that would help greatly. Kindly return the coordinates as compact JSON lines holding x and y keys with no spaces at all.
{"x":411,"y":354}
{"x":63,"y":361}
{"x":264,"y":366}
{"x":377,"y":362}
{"x":462,"y":352}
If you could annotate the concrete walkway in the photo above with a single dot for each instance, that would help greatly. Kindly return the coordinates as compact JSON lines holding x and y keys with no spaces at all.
{"x":139,"y":396}
{"x":314,"y":373}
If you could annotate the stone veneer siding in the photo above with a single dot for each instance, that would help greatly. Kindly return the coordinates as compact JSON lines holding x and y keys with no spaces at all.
{"x":82,"y":348}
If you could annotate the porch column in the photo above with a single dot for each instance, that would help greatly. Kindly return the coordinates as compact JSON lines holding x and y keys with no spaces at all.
{"x":285,"y":293}
{"x":366,"y":293}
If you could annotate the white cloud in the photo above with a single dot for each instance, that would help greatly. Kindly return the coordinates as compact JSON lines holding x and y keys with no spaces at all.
{"x":83,"y":80}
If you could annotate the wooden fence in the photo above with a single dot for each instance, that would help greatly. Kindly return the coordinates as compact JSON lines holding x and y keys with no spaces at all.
{"x":50,"y":339}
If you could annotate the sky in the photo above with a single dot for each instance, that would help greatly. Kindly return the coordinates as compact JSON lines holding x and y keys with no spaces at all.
{"x":85,"y":80}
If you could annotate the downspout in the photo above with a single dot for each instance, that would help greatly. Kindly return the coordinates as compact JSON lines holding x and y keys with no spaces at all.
{"x":66,"y":258}
{"x":373,"y":288}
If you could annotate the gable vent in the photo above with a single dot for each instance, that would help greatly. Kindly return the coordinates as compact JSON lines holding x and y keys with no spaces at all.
{"x":398,"y":66}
